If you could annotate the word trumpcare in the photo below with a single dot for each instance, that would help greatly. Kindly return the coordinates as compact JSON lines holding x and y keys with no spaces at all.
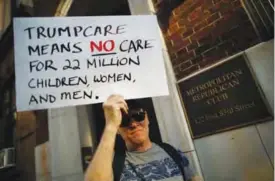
{"x":73,"y":31}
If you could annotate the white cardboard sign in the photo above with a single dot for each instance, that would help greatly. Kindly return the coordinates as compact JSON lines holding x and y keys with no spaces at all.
{"x":66,"y":61}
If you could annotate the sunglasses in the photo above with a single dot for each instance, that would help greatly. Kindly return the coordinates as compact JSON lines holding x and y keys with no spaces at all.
{"x":135,"y":114}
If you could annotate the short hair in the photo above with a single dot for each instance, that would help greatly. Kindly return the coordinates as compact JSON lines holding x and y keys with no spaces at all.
{"x":135,"y":104}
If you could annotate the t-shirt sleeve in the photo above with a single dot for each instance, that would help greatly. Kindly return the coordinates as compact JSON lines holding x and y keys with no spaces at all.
{"x":188,"y":170}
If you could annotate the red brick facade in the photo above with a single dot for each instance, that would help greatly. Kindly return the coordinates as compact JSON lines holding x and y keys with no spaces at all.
{"x":202,"y":32}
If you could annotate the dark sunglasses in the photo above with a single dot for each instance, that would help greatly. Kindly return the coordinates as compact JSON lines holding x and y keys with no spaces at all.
{"x":135,"y":114}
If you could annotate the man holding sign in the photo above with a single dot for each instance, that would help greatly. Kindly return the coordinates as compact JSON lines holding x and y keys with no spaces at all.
{"x":143,"y":160}
{"x":69,"y":61}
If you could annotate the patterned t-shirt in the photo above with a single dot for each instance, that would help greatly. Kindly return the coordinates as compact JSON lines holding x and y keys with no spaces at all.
{"x":154,"y":165}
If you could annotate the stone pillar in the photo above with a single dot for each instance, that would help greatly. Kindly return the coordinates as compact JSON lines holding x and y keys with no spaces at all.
{"x":84,"y":126}
{"x":171,"y":120}
{"x":65,"y":144}
{"x":67,"y":132}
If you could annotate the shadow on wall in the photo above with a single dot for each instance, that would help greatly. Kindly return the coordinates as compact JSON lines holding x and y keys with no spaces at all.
{"x":164,"y":11}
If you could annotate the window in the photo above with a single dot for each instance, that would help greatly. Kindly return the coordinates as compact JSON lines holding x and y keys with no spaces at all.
{"x":261,"y":13}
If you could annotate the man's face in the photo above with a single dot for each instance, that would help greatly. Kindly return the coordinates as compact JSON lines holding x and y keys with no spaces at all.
{"x":136,"y":133}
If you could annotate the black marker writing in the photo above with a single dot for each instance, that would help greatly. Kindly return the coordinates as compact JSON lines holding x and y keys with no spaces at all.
{"x":40,"y":99}
{"x":77,"y":49}
{"x":104,"y":62}
{"x":76,"y":31}
{"x":134,"y":46}
{"x":40,"y":65}
{"x":54,"y":48}
{"x":29,"y":31}
{"x":32,"y":50}
{"x":40,"y":32}
{"x":103,"y":54}
{"x":64,"y":30}
{"x":115,"y":77}
{"x":81,"y":94}
{"x":71,"y":64}
{"x":36,"y":83}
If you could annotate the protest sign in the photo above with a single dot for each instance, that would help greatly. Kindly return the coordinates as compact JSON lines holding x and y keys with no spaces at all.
{"x":66,"y":61}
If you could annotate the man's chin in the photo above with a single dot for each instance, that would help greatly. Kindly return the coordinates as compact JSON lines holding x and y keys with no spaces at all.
{"x":137,"y":140}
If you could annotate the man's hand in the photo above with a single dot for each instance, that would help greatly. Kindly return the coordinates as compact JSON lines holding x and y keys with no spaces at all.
{"x":112,"y":110}
{"x":100,"y":168}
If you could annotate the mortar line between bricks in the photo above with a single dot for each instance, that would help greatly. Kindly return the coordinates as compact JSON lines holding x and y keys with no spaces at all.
{"x":210,"y":67}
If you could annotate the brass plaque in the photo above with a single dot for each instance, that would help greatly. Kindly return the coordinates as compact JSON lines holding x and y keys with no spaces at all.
{"x":222,"y":98}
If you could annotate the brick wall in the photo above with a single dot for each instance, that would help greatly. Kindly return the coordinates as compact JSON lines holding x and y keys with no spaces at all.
{"x":202,"y":32}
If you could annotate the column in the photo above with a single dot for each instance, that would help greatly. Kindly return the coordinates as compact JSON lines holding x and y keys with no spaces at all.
{"x":172,"y":123}
{"x":64,"y":140}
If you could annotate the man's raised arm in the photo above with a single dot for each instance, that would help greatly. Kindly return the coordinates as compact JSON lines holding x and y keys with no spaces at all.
{"x":100,"y":168}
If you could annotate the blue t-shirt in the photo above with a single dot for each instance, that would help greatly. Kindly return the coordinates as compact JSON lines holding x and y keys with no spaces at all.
{"x":154,"y":164}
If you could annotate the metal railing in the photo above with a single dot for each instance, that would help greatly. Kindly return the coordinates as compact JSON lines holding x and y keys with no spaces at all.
{"x":261,"y":14}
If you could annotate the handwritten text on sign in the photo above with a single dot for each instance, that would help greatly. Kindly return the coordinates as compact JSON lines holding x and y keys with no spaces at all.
{"x":69,"y":61}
